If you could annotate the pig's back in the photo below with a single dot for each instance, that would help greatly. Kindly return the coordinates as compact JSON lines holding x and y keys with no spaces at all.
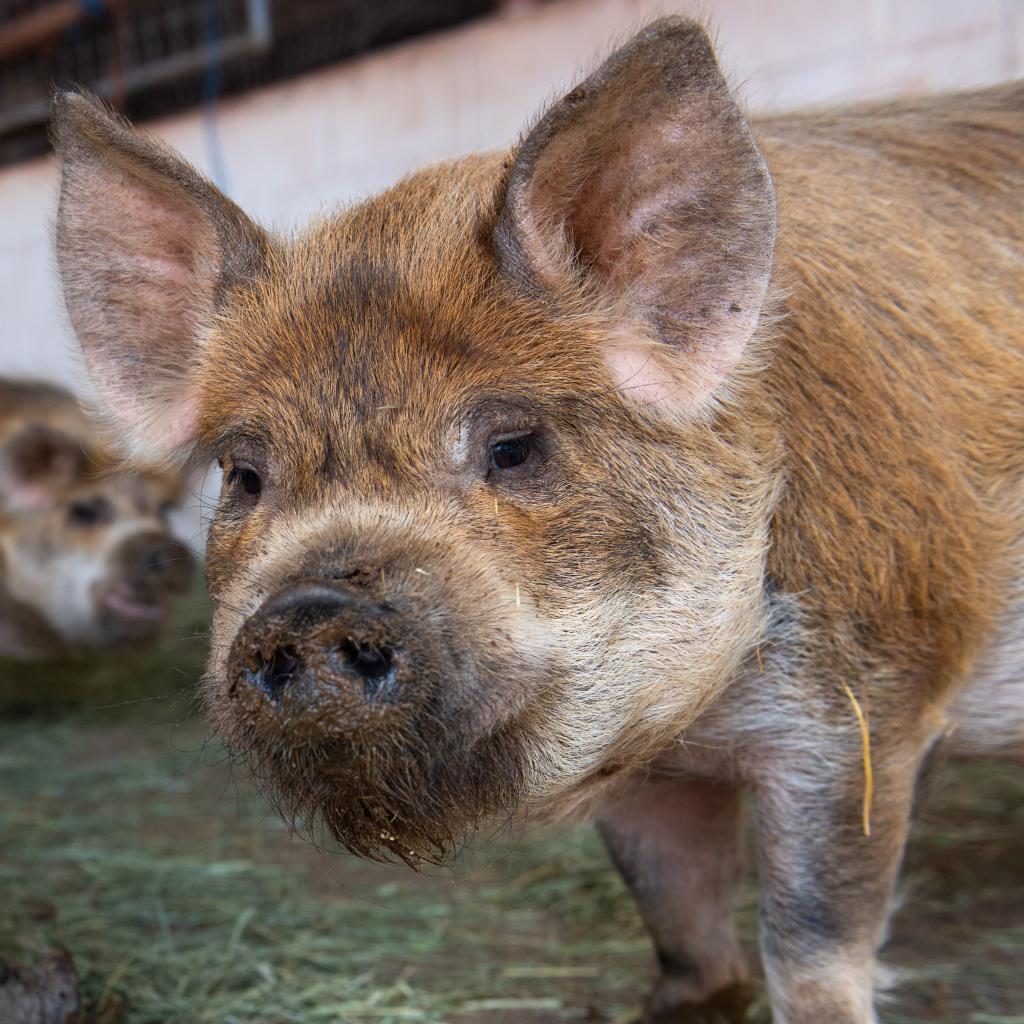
{"x":899,"y":370}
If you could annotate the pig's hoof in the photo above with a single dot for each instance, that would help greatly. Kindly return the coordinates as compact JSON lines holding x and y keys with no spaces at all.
{"x":43,"y":994}
{"x":726,"y":1006}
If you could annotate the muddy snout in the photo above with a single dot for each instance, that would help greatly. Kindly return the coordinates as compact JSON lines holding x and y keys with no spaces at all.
{"x":327,"y":659}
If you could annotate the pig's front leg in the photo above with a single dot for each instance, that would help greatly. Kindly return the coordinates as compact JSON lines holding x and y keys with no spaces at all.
{"x":826,"y":886}
{"x":676,"y":844}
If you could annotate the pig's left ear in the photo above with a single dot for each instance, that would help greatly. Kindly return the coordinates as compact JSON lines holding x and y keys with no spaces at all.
{"x":644,"y":188}
{"x":148,"y":249}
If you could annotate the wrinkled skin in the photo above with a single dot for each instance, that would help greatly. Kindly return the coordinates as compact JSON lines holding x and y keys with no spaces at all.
{"x":540,"y":495}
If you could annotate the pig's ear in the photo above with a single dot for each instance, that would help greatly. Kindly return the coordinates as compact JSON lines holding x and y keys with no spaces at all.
{"x":36,"y":464}
{"x":147,"y":249}
{"x":643,"y":188}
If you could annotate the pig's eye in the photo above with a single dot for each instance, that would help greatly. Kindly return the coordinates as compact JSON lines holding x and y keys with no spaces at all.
{"x":245,"y":481}
{"x":512,"y":452}
{"x":89,"y":511}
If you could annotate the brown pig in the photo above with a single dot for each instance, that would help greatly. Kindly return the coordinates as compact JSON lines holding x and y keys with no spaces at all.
{"x":87,"y":558}
{"x":617,"y":473}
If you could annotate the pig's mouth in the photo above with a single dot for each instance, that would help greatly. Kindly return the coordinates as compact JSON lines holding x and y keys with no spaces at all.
{"x":129,"y":613}
{"x":361,"y":722}
{"x":409,"y":803}
{"x":132,"y":606}
{"x":412,"y":793}
{"x":145,"y":571}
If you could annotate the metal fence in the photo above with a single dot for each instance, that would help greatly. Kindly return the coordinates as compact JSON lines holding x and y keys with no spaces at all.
{"x":149,"y":57}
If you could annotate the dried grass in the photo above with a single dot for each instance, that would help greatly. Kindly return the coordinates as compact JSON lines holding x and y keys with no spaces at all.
{"x":127,"y":839}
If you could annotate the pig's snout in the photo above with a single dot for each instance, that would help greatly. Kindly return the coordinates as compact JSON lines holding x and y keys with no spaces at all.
{"x":357,"y":692}
{"x":320,"y":622}
{"x":329,"y":650}
{"x":145,"y":569}
{"x":154,"y":562}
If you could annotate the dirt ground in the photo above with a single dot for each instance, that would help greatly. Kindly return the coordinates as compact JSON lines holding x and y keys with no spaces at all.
{"x":127,"y":838}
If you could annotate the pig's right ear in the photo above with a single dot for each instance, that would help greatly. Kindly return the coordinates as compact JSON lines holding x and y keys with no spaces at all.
{"x":643,"y":193}
{"x":147,"y":249}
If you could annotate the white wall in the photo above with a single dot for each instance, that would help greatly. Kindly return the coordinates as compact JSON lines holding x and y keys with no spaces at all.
{"x":344,"y":131}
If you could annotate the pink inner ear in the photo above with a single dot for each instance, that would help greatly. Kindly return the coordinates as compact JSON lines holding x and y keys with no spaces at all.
{"x":182,"y":424}
{"x":158,"y":435}
{"x":683,"y":382}
{"x":157,"y":264}
{"x":21,"y":497}
{"x":645,"y":185}
{"x":162,"y":237}
{"x":638,"y":376}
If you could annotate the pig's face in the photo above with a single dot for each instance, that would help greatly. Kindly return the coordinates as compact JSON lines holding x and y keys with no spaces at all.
{"x":98,"y":565}
{"x":451,"y":567}
{"x":86,"y":557}
{"x":487,"y":534}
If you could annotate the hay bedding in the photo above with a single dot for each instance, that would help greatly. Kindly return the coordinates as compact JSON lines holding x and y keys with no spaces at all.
{"x":127,"y":839}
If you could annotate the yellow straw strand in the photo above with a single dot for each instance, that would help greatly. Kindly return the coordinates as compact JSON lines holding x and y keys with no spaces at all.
{"x":865,"y":739}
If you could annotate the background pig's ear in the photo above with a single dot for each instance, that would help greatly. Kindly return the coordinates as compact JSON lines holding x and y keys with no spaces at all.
{"x":147,"y":250}
{"x":36,"y":464}
{"x":644,"y":186}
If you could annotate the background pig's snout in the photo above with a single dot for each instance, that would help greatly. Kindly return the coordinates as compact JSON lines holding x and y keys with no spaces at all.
{"x":154,"y":562}
{"x":145,"y":569}
{"x":328,"y":648}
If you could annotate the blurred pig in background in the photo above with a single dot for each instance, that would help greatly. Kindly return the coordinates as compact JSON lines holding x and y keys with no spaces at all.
{"x":87,"y":558}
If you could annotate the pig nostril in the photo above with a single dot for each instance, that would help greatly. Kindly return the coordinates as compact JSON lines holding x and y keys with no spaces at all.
{"x":276,"y":672}
{"x":322,"y":640}
{"x":372,"y":664}
{"x":366,"y":660}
